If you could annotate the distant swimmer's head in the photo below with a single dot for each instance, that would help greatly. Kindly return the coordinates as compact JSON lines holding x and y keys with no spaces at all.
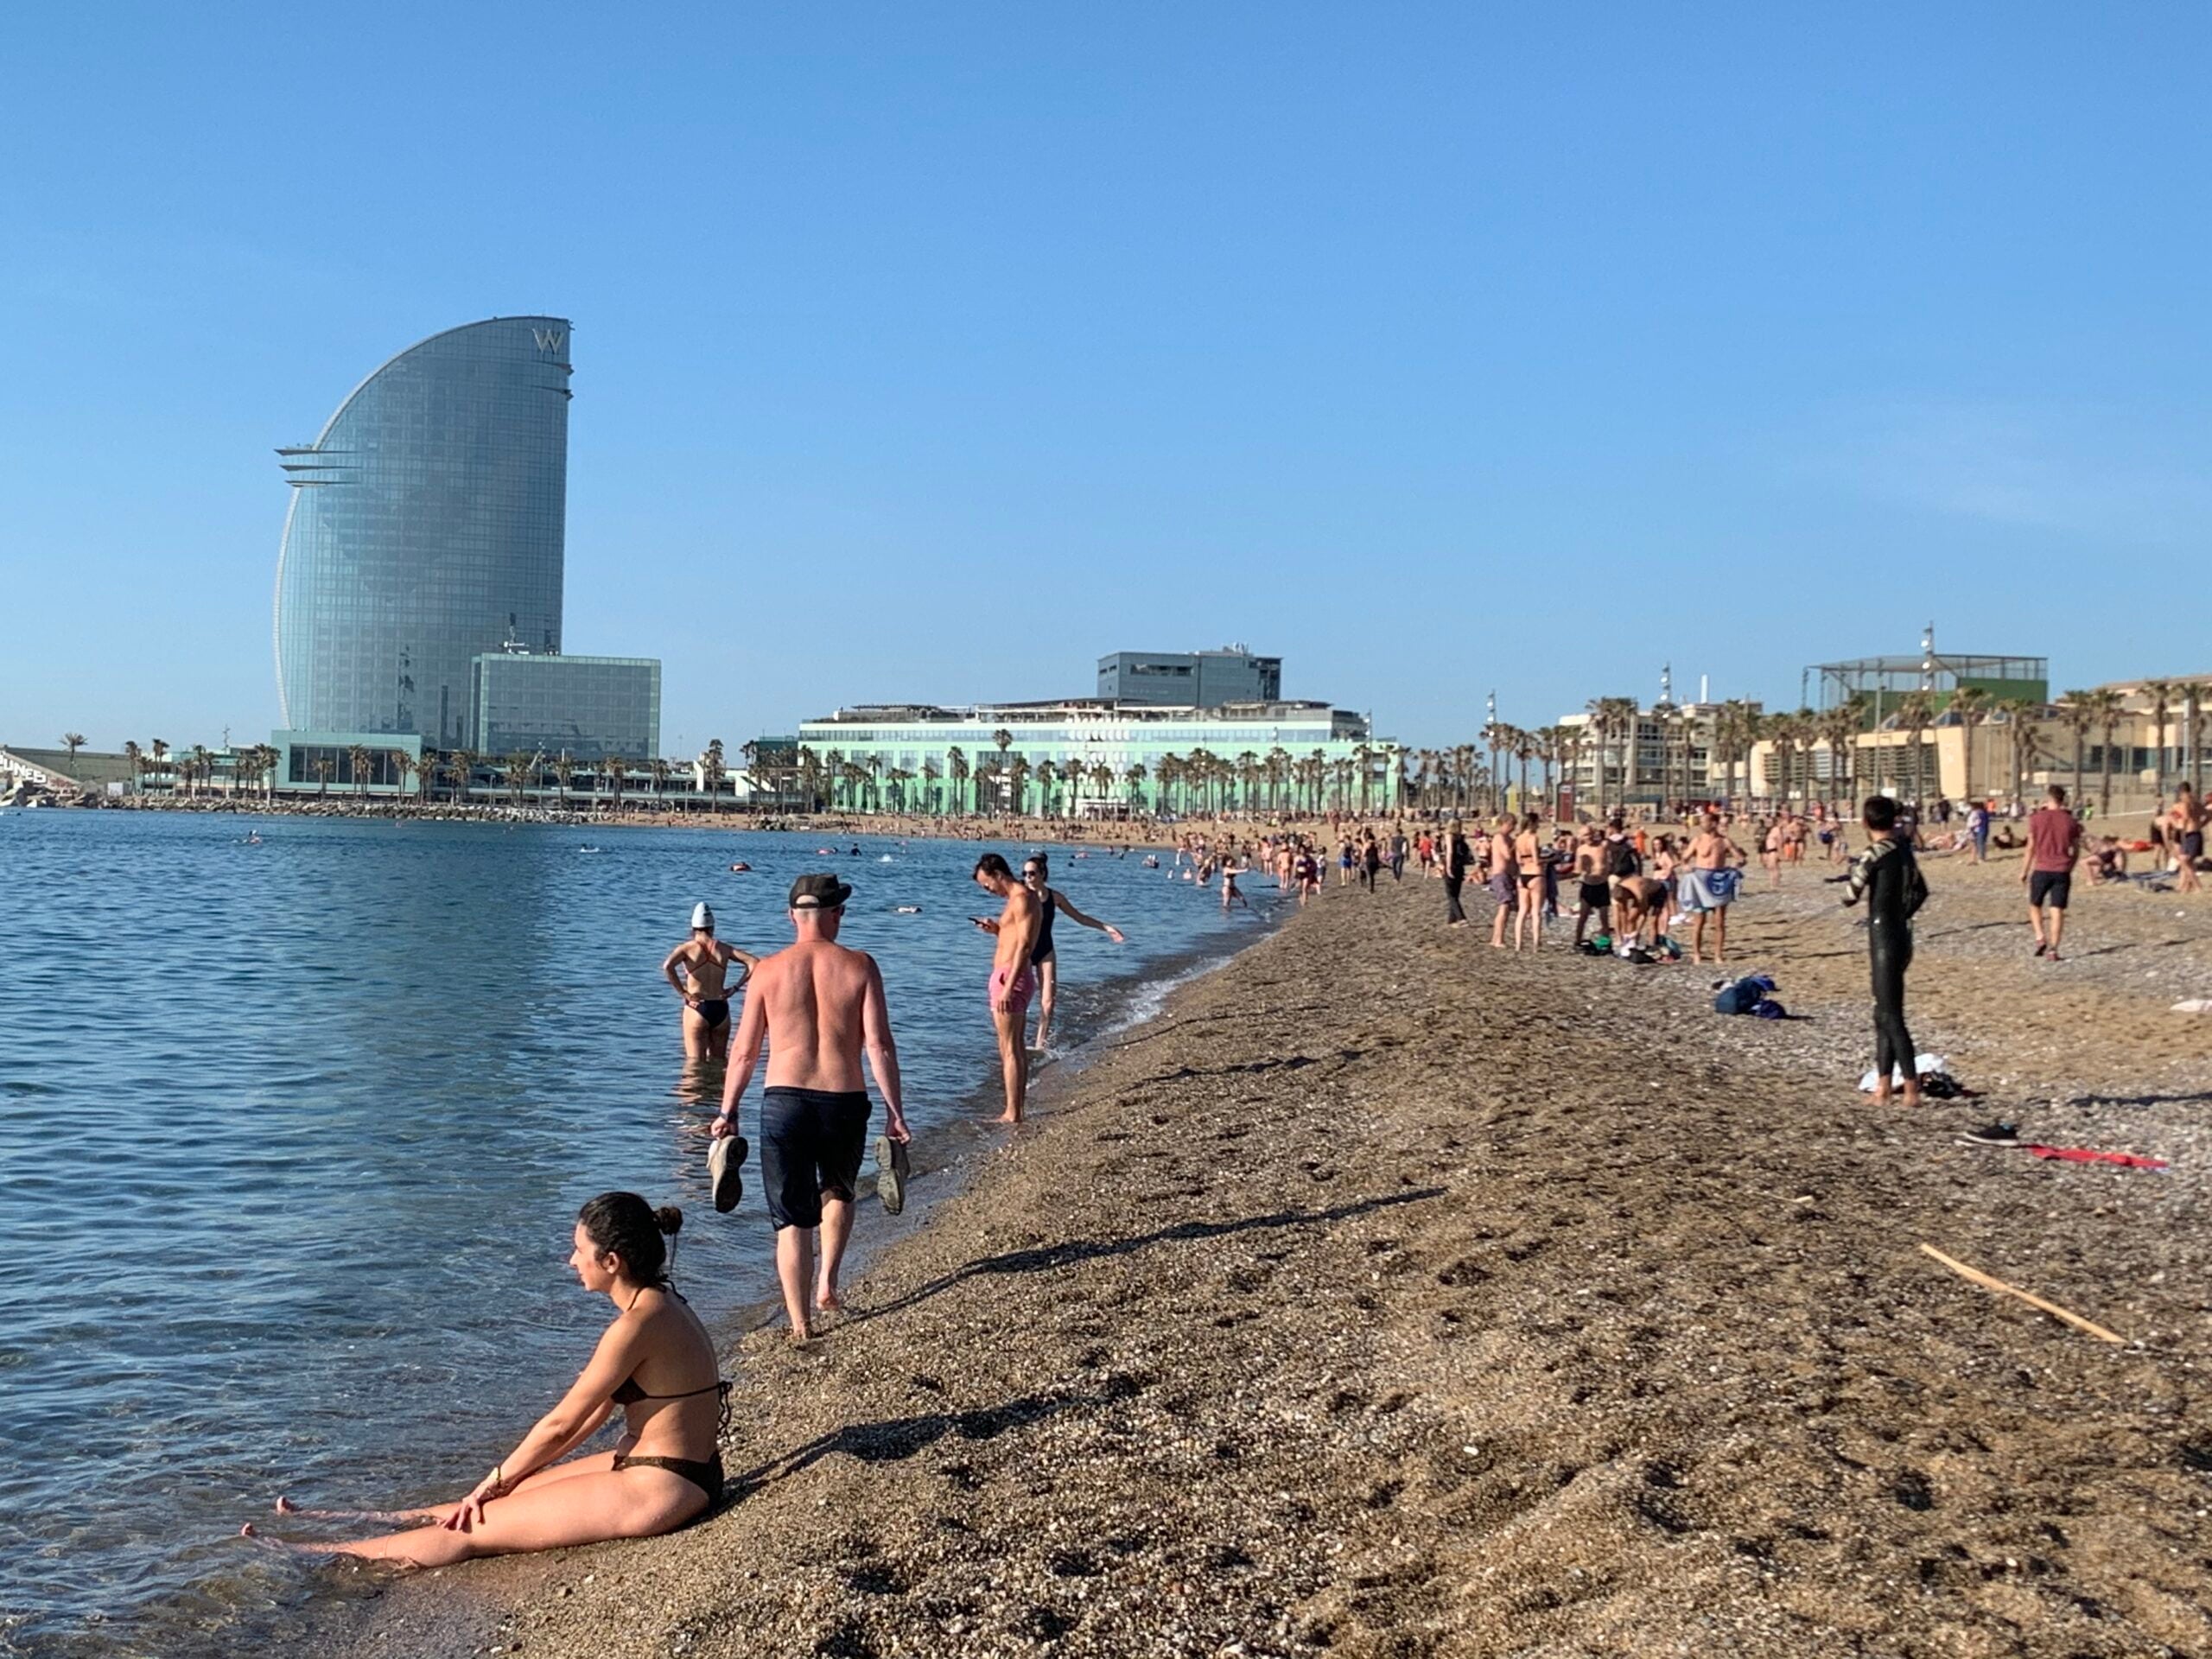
{"x":619,"y":1237}
{"x":702,"y":918}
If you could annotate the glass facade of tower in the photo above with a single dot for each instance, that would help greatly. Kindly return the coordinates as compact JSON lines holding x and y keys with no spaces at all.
{"x":427,"y":526}
{"x":586,"y":707}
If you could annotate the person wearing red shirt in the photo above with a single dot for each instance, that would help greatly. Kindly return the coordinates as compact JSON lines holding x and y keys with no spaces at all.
{"x":2047,"y":869}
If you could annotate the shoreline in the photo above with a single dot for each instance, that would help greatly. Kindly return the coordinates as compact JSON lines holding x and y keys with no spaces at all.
{"x":1393,"y":1294}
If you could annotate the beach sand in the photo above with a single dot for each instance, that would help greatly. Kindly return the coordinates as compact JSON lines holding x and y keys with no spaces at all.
{"x":1387,"y":1294}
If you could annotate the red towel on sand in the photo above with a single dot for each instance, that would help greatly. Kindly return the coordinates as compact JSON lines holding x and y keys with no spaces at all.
{"x":2086,"y":1155}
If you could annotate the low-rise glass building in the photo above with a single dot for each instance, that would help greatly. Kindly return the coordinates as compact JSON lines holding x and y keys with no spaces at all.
{"x":583,"y":706}
{"x":1095,"y":757}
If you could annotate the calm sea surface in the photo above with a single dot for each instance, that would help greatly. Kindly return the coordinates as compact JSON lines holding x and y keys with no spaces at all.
{"x":292,"y":1137}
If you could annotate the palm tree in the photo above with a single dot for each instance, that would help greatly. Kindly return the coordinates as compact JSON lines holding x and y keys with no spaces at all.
{"x":661,"y":772}
{"x":461,"y":767}
{"x":956,"y":768}
{"x":1047,"y":776}
{"x":1001,"y":739}
{"x":323,"y":769}
{"x":72,"y":741}
{"x":2076,"y":715}
{"x":713,"y":768}
{"x":614,"y":772}
{"x":428,"y":766}
{"x":1839,"y":729}
{"x":1133,"y":777}
{"x":401,"y":764}
{"x":2027,"y":749}
{"x":2108,"y":708}
{"x":1915,"y":710}
{"x":931,"y":773}
{"x":136,"y":758}
{"x":565,"y":773}
{"x":1972,"y":706}
{"x":2192,"y":733}
{"x":2163,"y":695}
{"x":1017,"y":771}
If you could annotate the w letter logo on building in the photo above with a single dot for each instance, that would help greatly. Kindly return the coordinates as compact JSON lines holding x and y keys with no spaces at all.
{"x":549,"y":339}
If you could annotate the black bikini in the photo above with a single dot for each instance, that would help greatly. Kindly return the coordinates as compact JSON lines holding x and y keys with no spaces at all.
{"x":706,"y":1475}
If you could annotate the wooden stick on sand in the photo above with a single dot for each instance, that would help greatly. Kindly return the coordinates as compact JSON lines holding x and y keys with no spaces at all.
{"x":1989,"y":1282}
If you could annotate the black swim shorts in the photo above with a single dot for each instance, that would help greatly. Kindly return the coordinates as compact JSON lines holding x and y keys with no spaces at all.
{"x":1597,"y":894}
{"x":2050,"y":887}
{"x":2192,"y":844}
{"x":810,"y":1143}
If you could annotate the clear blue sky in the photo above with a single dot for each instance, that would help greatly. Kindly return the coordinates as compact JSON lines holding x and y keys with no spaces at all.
{"x":933,"y":351}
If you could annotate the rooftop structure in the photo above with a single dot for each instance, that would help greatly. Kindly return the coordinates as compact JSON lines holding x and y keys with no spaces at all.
{"x":1193,"y":679}
{"x":1879,"y":683}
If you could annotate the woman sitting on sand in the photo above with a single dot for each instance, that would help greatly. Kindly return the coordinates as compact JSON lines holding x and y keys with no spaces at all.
{"x":655,"y":1362}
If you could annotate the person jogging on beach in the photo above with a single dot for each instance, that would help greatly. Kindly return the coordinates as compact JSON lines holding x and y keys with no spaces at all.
{"x":1013,"y":981}
{"x":1709,"y":886}
{"x":2047,"y":869}
{"x":1889,"y":879}
{"x":703,"y":962}
{"x":1035,"y":876}
{"x":818,"y":1005}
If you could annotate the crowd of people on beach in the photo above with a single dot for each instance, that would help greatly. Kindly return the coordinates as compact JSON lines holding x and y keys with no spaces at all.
{"x":818,"y":1008}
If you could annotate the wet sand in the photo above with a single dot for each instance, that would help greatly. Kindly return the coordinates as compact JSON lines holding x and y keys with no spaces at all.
{"x":1387,"y":1294}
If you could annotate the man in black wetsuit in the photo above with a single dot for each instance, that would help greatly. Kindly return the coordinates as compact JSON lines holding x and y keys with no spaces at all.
{"x":1888,"y":877}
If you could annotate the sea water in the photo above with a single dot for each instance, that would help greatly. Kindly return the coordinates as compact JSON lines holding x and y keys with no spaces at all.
{"x":293,"y":1135}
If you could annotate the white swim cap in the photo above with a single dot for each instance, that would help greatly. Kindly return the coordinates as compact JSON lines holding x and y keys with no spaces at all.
{"x":703,"y":915}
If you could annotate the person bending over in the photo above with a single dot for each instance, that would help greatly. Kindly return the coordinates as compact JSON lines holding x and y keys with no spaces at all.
{"x":655,"y":1363}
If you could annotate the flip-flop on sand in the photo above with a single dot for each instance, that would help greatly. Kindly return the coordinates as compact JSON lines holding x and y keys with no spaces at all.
{"x":725,"y":1159}
{"x":891,"y":1173}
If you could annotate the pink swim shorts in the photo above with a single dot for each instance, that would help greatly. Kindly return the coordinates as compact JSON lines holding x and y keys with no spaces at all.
{"x":1023,"y":988}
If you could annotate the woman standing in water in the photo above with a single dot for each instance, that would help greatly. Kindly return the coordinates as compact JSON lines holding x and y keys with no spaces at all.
{"x":655,"y":1362}
{"x":1042,"y":956}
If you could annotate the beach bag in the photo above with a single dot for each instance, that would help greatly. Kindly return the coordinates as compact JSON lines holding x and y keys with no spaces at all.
{"x":1767,"y":1008}
{"x":1742,"y":996}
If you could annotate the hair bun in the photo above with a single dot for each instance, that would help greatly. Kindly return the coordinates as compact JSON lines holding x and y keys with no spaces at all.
{"x":669,"y":1218}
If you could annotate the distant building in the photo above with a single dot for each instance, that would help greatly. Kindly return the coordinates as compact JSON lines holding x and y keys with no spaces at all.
{"x":1195,"y":679}
{"x":57,"y":772}
{"x":427,"y":523}
{"x":426,"y":537}
{"x":1105,"y":759}
{"x":587,"y":708}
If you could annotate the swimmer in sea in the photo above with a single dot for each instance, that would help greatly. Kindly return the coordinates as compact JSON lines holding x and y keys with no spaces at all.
{"x":703,"y":962}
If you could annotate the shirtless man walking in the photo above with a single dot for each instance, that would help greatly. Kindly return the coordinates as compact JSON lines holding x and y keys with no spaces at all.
{"x":704,"y":962}
{"x":1013,"y":981}
{"x":2185,"y":835}
{"x":1711,"y":878}
{"x":818,"y":1005}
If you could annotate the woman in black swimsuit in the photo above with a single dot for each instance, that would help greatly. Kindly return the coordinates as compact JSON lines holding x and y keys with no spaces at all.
{"x":1043,"y":957}
{"x":655,"y":1362}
